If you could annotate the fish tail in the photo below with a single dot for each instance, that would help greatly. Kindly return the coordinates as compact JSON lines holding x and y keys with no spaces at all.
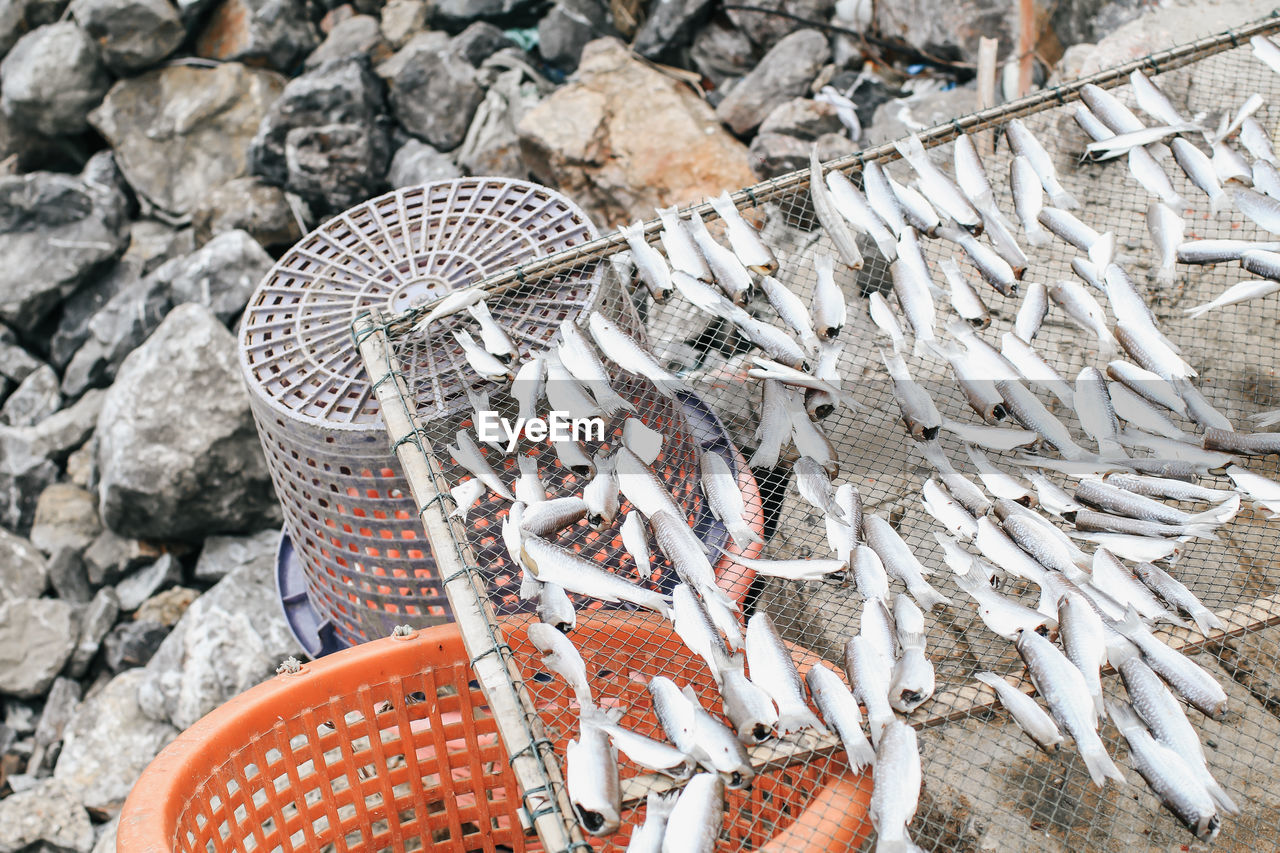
{"x":1217,"y":202}
{"x":612,"y":404}
{"x":1207,"y":620}
{"x":1100,"y":766}
{"x":1199,"y":531}
{"x":928,"y":597}
{"x":799,"y":720}
{"x":1062,"y":199}
{"x":1164,"y":276}
{"x":742,"y":534}
{"x":722,"y":205}
{"x":1037,"y":236}
{"x":887,"y":245}
{"x":661,"y":804}
{"x":764,"y":457}
{"x":1219,"y":796}
{"x":1200,"y":310}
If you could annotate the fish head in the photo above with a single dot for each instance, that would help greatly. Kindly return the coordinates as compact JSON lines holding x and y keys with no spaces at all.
{"x":598,"y":822}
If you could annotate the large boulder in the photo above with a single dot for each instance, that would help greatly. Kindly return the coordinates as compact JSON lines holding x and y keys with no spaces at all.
{"x":222,"y":555}
{"x":37,"y":636}
{"x":784,"y":73}
{"x":359,"y":35}
{"x":45,"y":817}
{"x":326,"y":138}
{"x":178,"y":455}
{"x":19,"y":17}
{"x":66,"y":518}
{"x":434,"y":94}
{"x":622,"y":138}
{"x":416,"y":163}
{"x":766,"y":30}
{"x":199,"y":122}
{"x":23,"y":571}
{"x":44,"y":209}
{"x":248,"y":204}
{"x":52,"y":78}
{"x":108,"y":744}
{"x":669,"y":27}
{"x":231,"y":638}
{"x":131,"y":34}
{"x":492,"y":146}
{"x":33,"y":400}
{"x":221,"y":275}
{"x":274,"y":33}
{"x":565,"y":30}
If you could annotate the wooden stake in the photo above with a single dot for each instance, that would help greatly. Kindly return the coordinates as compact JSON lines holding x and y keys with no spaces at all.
{"x":987,"y":51}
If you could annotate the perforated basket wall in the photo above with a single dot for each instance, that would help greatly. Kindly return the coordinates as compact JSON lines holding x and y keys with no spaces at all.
{"x":348,"y":513}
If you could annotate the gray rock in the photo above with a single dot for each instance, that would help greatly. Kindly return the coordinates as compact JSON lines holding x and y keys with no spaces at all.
{"x":896,"y":118}
{"x":492,"y":146}
{"x":33,"y":400}
{"x":434,"y":95}
{"x":336,"y":166}
{"x":147,"y":581}
{"x":47,"y":817}
{"x":37,"y":636}
{"x":16,"y":364}
{"x":69,"y":577}
{"x":249,"y":204}
{"x":766,"y":30}
{"x":106,"y":842}
{"x":802,"y":118}
{"x":480,"y":41}
{"x":430,"y":41}
{"x":19,"y":17}
{"x":111,"y":556}
{"x":774,"y":154}
{"x":41,"y":210}
{"x":670,"y":27}
{"x":23,"y":570}
{"x":132,"y":644}
{"x":109,"y":742}
{"x":416,"y":163}
{"x":222,"y":555}
{"x":117,"y":329}
{"x":951,"y":28}
{"x":66,"y":518}
{"x":455,"y":14}
{"x":199,"y":124}
{"x":358,"y":35}
{"x":131,"y":34}
{"x":721,"y":52}
{"x":178,"y":455}
{"x":784,"y":73}
{"x":401,"y":20}
{"x":96,"y":621}
{"x":567,"y":28}
{"x":82,"y":466}
{"x":231,"y":638}
{"x":274,"y":33}
{"x":102,"y":173}
{"x":25,"y":471}
{"x":166,"y":608}
{"x":58,"y":708}
{"x":221,"y":275}
{"x":52,"y":78}
{"x":62,"y":432}
{"x":342,"y":93}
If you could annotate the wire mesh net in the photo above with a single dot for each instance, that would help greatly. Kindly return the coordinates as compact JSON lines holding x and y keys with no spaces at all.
{"x":986,"y":785}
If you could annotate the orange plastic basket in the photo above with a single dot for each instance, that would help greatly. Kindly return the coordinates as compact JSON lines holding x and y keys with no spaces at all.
{"x":390,"y":746}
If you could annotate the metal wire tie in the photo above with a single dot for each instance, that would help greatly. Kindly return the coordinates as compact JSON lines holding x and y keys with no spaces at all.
{"x":1057,"y":90}
{"x":1151,"y":61}
{"x":755,"y":202}
{"x":578,"y":845}
{"x":1235,"y":40}
{"x":530,"y":748}
{"x":440,"y":496}
{"x":497,"y":647}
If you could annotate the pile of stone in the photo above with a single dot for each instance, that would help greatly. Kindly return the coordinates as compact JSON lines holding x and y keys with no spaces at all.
{"x":157,"y":156}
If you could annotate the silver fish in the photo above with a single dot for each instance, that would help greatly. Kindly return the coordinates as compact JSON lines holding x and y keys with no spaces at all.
{"x":565,"y":393}
{"x":875,"y":624}
{"x":994,"y":269}
{"x":1262,"y":209}
{"x":720,"y":746}
{"x":561,"y":657}
{"x":1163,"y":713}
{"x":449,"y":305}
{"x":1052,"y":497}
{"x":964,"y":489}
{"x":552,"y":563}
{"x":990,"y":437}
{"x":1110,"y":498}
{"x":467,"y":453}
{"x":855,"y":208}
{"x":771,"y":340}
{"x":844,"y":531}
{"x":1147,"y":384}
{"x":1170,"y":778}
{"x":1132,"y":547}
{"x":675,"y":714}
{"x":685,"y":551}
{"x":546,"y":518}
{"x":979,"y":391}
{"x":1266,"y":178}
{"x":948,"y":511}
{"x":529,"y":488}
{"x":465,"y":495}
{"x":579,"y":357}
{"x":917,"y":306}
{"x":811,"y":569}
{"x":1005,"y":243}
{"x":1267,"y":51}
{"x":840,"y":711}
{"x":720,"y":487}
{"x":493,"y":336}
{"x":645,"y":443}
{"x":680,"y":248}
{"x":555,"y":608}
{"x":1217,"y":251}
{"x":1177,"y":596}
{"x":1032,"y":311}
{"x":1024,"y":143}
{"x":896,"y":794}
{"x":971,"y":175}
{"x":624,"y":351}
{"x":1087,"y":520}
{"x":773,"y":670}
{"x":881,"y":198}
{"x":935,"y":183}
{"x":694,"y":823}
{"x":810,"y":440}
{"x":829,"y":311}
{"x":1067,"y":554}
{"x":1154,"y":178}
{"x":774,"y":428}
{"x":573,"y":458}
{"x":744,"y":239}
{"x":649,"y":262}
{"x":1250,"y":106}
{"x":1029,"y":716}
{"x":1136,"y":411}
{"x":964,"y":299}
{"x":1199,"y":168}
{"x":1152,"y":101}
{"x":901,"y":562}
{"x":996,"y":546}
{"x":869,"y":677}
{"x":1166,"y":228}
{"x":814,"y":485}
{"x":694,"y":627}
{"x":1256,"y":140}
{"x":528,"y":385}
{"x":1084,"y":640}
{"x":730,"y":275}
{"x":768,"y":369}
{"x":918,"y":410}
{"x":648,"y":837}
{"x":1004,"y":616}
{"x":1032,"y":414}
{"x":1033,"y":367}
{"x":833,"y":224}
{"x":601,"y":494}
{"x":1244,"y":443}
{"x":1096,"y":413}
{"x":642,"y":487}
{"x":1113,"y":578}
{"x":1122,"y":143}
{"x":1109,"y":109}
{"x":591,"y":775}
{"x":870,"y":578}
{"x":1162,"y":487}
{"x":747,"y":705}
{"x":1262,"y":490}
{"x":791,"y":309}
{"x":1084,"y":311}
{"x":916,"y":208}
{"x":1028,"y":200}
{"x":1202,"y":411}
{"x":1066,"y":693}
{"x":998,"y":483}
{"x":483,"y":362}
{"x":913,"y":677}
{"x":1261,"y":263}
{"x":1230,"y":164}
{"x":1236,"y":294}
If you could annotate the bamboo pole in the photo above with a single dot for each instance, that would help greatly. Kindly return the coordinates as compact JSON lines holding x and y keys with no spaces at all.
{"x":987,"y":52}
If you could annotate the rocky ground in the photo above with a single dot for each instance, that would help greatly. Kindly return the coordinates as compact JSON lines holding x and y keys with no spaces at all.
{"x":155,"y":157}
